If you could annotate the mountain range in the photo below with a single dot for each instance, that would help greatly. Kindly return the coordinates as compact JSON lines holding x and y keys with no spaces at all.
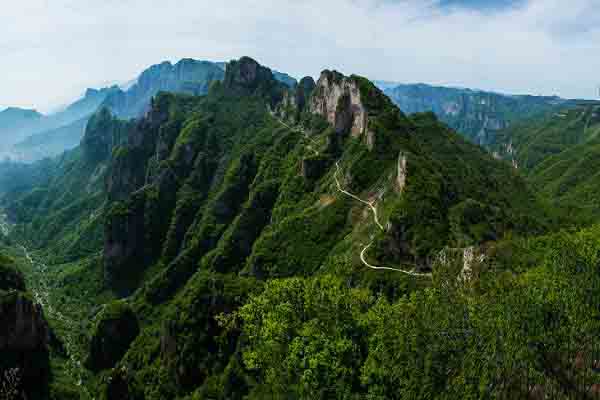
{"x":18,"y":125}
{"x":250,"y":236}
{"x":26,"y":135}
{"x":477,"y":114}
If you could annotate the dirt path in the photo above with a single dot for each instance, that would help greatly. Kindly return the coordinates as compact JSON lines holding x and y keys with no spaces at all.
{"x":373,"y":208}
{"x":371,"y":205}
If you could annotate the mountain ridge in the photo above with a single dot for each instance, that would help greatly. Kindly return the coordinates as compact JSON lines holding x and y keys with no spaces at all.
{"x":477,"y":114}
{"x":62,"y":130}
{"x":263,"y":241}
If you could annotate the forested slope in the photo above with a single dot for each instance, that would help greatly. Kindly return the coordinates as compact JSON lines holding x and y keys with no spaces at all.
{"x":558,"y":153}
{"x":315,"y":242}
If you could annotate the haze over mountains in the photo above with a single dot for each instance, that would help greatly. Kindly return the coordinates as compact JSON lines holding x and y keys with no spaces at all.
{"x":209,"y":228}
{"x":215,"y":224}
{"x":26,"y":135}
{"x":21,"y":124}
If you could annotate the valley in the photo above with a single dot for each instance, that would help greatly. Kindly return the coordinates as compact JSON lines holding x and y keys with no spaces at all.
{"x":41,"y":282}
{"x":258,"y":200}
{"x":260,"y":238}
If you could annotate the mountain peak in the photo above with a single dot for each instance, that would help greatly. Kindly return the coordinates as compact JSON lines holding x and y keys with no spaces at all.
{"x":91,"y":92}
{"x":246,"y":73}
{"x":247,"y":76}
{"x":347,"y":103}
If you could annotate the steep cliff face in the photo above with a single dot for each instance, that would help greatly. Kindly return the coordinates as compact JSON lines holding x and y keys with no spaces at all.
{"x":103,"y":133}
{"x":23,"y":326}
{"x":246,"y":76}
{"x":24,"y":337}
{"x":402,"y":171}
{"x":114,"y":329}
{"x":338,"y":99}
{"x":162,"y":153}
{"x":29,"y":135}
{"x":296,"y":100}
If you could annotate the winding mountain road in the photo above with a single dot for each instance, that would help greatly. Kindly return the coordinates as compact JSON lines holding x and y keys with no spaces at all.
{"x":373,"y":208}
{"x":371,"y":205}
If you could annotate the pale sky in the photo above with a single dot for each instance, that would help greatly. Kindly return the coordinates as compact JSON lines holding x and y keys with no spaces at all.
{"x":53,"y":49}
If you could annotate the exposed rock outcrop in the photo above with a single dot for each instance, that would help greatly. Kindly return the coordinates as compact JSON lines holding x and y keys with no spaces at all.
{"x":402,"y":170}
{"x":24,"y":337}
{"x":246,"y":73}
{"x":247,"y":76}
{"x":296,"y":99}
{"x":303,"y":91}
{"x":144,"y":141}
{"x":338,"y":99}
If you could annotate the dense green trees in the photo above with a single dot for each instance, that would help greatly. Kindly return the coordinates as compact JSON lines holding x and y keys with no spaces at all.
{"x":240,"y":256}
{"x":501,"y":335}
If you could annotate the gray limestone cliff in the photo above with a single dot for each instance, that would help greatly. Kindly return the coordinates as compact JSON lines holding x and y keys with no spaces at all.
{"x":338,"y":99}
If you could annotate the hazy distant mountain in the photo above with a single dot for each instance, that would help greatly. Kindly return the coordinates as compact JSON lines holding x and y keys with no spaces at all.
{"x":31,"y":136}
{"x":476,"y":114}
{"x":14,"y":121}
{"x":18,"y":124}
{"x":186,"y":76}
{"x":50,"y":143}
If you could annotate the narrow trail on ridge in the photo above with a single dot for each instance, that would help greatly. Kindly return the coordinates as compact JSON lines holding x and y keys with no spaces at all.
{"x":371,"y":205}
{"x":373,"y":208}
